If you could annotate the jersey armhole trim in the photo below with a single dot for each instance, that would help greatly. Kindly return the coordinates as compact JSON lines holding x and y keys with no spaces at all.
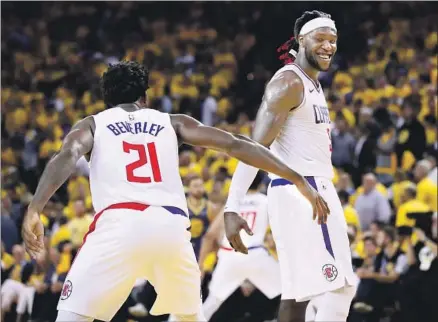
{"x":293,"y":109}
{"x":95,"y":135}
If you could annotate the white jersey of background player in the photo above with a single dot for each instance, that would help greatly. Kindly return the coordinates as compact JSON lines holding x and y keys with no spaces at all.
{"x":294,"y":121}
{"x":140,"y":228}
{"x":233,"y":268}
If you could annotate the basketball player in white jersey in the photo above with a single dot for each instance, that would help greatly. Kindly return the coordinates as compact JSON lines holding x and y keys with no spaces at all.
{"x":141,"y":221}
{"x":294,"y":122}
{"x":233,"y":268}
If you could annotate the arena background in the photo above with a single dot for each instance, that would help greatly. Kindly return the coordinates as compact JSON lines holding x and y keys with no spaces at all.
{"x":212,"y":60}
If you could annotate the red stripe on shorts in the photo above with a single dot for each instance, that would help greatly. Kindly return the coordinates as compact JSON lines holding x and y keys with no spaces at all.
{"x":122,"y":205}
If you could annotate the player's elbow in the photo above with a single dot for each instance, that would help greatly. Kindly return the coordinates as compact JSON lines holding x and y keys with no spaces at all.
{"x":69,"y":154}
{"x":237,"y":144}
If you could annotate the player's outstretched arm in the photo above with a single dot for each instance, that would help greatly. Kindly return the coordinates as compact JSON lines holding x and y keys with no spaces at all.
{"x":78,"y":142}
{"x":195,"y":133}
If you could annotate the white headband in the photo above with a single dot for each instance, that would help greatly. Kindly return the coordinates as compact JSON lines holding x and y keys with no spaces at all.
{"x":317,"y":23}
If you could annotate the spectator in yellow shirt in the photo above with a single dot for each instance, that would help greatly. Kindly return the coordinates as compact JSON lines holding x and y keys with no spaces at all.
{"x":351,"y":216}
{"x":79,"y":225}
{"x":410,"y":205}
{"x":396,"y":190}
{"x":426,"y":188}
{"x":61,"y":234}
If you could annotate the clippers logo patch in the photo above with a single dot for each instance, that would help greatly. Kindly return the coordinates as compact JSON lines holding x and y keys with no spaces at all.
{"x":330,"y":272}
{"x":66,"y":290}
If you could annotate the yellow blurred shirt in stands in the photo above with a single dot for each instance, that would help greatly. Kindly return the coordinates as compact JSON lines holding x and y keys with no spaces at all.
{"x":397,"y":189}
{"x":35,"y":279}
{"x":368,"y":96}
{"x":7,"y":261}
{"x":64,"y":263}
{"x":348,"y":115}
{"x":388,"y":91}
{"x":218,"y":82}
{"x":43,"y":119}
{"x":78,"y":188}
{"x":190,"y":91}
{"x":343,"y":79}
{"x":427,"y":193}
{"x":62,"y":234}
{"x":409,"y":207}
{"x":48,"y":147}
{"x":431,"y":40}
{"x":226,"y":59}
{"x":78,"y":228}
{"x":223,"y":107}
{"x":351,"y":216}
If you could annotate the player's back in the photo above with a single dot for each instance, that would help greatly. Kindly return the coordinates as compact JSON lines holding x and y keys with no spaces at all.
{"x":304,"y":142}
{"x":135,"y":159}
{"x":254,"y":209}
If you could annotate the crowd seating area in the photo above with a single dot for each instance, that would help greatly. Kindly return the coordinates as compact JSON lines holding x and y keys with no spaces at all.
{"x":212,"y":60}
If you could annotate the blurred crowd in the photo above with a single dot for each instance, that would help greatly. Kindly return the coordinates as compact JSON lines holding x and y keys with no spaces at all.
{"x":212,"y":61}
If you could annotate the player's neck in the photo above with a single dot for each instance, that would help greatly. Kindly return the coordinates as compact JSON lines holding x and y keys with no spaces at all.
{"x":130,"y":107}
{"x":306,"y":67}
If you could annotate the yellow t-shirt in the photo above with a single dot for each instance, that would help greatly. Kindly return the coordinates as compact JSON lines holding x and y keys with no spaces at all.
{"x":78,"y":228}
{"x":62,"y":234}
{"x":7,"y":261}
{"x":351,"y":216}
{"x":343,"y":79}
{"x":409,"y":207}
{"x":427,"y":193}
{"x":78,"y":187}
{"x":397,"y":191}
{"x":48,"y":147}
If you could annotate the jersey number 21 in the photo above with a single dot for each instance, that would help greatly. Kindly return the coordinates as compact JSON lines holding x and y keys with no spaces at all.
{"x":141,"y":149}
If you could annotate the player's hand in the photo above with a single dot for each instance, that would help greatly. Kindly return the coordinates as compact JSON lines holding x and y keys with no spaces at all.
{"x":233,"y":225}
{"x":33,"y":233}
{"x":320,"y":207}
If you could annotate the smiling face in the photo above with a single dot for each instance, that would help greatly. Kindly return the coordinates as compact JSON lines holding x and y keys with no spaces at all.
{"x":319,"y":47}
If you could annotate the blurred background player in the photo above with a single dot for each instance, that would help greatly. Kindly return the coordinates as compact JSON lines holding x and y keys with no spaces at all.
{"x":234,"y":270}
{"x":201,"y":211}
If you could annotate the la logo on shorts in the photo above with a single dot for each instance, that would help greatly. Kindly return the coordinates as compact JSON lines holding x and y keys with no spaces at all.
{"x":330,"y":272}
{"x":66,"y":290}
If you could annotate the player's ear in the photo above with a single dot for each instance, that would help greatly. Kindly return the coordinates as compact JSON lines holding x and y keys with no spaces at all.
{"x":301,"y":41}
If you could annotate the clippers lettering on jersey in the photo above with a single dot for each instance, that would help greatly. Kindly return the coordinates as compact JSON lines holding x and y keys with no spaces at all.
{"x":322,"y":115}
{"x":135,"y":128}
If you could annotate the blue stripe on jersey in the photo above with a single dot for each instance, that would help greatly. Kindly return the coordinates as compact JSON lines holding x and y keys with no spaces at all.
{"x":325,"y":233}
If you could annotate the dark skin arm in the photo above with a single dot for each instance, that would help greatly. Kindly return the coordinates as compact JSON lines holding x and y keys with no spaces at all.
{"x":210,"y":241}
{"x":77,"y":143}
{"x":280,"y":97}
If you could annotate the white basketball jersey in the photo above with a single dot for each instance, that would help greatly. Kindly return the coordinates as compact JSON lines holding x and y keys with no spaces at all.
{"x":135,"y":159}
{"x":304,"y":141}
{"x":254,"y":209}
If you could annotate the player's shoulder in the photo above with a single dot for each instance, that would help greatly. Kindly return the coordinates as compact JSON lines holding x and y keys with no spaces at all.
{"x":287,"y":75}
{"x":285,"y":84}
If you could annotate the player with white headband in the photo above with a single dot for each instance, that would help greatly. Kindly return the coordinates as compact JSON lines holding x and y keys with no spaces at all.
{"x":294,"y":122}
